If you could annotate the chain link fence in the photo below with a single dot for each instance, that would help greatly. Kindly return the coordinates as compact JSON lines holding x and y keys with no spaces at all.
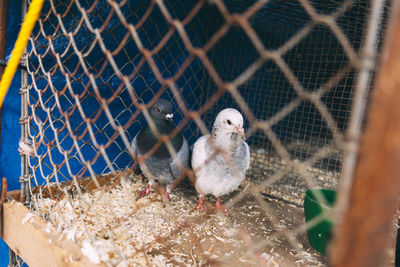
{"x":94,"y":68}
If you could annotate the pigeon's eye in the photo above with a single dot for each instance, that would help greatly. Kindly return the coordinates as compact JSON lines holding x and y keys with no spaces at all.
{"x":229,"y":122}
{"x":157,"y":108}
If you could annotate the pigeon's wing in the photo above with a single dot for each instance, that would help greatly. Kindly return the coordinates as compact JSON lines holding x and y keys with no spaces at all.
{"x":183,"y":157}
{"x":199,"y":154}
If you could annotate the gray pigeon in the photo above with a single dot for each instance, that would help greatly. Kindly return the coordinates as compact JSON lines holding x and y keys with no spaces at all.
{"x":220,"y":160}
{"x":161,"y":166}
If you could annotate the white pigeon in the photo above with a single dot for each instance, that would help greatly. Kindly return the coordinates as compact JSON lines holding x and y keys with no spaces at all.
{"x":220,"y":159}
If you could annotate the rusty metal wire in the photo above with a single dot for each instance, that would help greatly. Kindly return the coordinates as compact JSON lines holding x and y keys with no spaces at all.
{"x":14,"y":260}
{"x":94,"y":68}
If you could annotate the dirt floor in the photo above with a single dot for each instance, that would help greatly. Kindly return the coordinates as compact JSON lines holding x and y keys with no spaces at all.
{"x":114,"y":227}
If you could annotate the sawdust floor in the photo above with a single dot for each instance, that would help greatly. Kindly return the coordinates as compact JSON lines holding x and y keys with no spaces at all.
{"x":255,"y":240}
{"x":149,"y":231}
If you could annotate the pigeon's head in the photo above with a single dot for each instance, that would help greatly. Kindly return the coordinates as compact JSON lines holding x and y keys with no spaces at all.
{"x":162,"y":110}
{"x":230,"y":120}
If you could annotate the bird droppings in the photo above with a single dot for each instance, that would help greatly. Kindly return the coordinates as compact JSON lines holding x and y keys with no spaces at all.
{"x":111,"y":226}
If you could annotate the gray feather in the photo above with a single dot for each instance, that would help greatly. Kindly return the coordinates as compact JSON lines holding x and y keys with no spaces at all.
{"x":182,"y":158}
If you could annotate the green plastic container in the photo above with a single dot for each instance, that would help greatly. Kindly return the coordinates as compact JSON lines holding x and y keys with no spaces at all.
{"x":320,"y":234}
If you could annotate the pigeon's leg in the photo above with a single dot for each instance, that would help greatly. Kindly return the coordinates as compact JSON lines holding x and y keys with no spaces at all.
{"x":200,"y":206}
{"x":168,"y":187}
{"x":220,"y":207}
{"x":146,"y":191}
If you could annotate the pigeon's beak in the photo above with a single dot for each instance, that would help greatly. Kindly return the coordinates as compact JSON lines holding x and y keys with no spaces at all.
{"x":169,"y":116}
{"x":240,"y":131}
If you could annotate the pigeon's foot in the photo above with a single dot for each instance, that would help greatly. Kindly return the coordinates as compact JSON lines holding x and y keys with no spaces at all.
{"x":200,"y":206}
{"x":144,"y":192}
{"x":168,"y":190}
{"x":167,"y":199}
{"x":220,"y":207}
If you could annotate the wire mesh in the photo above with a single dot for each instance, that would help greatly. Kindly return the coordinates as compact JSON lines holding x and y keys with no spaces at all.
{"x":94,"y":69}
{"x":14,"y":260}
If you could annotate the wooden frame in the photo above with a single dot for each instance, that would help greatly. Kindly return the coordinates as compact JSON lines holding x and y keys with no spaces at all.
{"x":29,"y":236}
{"x":363,"y":234}
{"x":36,"y":241}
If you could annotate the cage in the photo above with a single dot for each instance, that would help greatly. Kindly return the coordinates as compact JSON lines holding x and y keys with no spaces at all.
{"x":94,"y":68}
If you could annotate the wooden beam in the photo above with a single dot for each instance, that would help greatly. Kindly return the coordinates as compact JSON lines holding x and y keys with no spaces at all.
{"x":37,"y":243}
{"x":362,"y":236}
{"x":4,"y":4}
{"x":3,"y":196}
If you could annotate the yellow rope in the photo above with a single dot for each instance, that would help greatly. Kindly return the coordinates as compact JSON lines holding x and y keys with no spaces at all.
{"x":19,"y":47}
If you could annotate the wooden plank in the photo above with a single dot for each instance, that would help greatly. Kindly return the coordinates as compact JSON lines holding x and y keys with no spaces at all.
{"x":36,"y":242}
{"x":364,"y":233}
